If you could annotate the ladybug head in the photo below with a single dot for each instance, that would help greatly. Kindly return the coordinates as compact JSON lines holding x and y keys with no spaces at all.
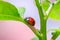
{"x":30,"y":20}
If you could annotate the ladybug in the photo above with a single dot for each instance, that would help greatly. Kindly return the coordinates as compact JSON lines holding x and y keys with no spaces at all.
{"x":30,"y":20}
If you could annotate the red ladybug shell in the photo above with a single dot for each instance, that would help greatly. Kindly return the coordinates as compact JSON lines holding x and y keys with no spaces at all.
{"x":30,"y":20}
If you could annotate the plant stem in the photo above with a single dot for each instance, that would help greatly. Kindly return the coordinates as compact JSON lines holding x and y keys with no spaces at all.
{"x":43,"y":29}
{"x":42,"y":20}
{"x":49,"y":10}
{"x":35,"y":31}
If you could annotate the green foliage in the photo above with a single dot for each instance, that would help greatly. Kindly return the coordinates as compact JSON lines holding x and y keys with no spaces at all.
{"x":55,"y":12}
{"x":55,"y":34}
{"x":21,"y":11}
{"x":35,"y":38}
{"x":45,"y":4}
{"x":8,"y":12}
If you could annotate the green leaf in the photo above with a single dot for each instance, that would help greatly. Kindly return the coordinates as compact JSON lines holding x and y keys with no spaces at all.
{"x":21,"y":11}
{"x":8,"y":12}
{"x":56,"y":33}
{"x":57,"y":0}
{"x":35,"y":38}
{"x":55,"y":12}
{"x":45,"y":4}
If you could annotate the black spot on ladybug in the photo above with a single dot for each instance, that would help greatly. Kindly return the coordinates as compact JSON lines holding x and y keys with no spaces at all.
{"x":30,"y":20}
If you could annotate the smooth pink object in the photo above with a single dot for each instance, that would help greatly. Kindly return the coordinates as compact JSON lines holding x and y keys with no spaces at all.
{"x":14,"y":30}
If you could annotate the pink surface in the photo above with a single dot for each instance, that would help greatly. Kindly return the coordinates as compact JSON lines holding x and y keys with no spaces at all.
{"x":12,"y":30}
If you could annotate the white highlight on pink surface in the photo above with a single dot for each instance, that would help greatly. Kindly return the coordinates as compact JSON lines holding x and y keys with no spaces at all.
{"x":12,"y":30}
